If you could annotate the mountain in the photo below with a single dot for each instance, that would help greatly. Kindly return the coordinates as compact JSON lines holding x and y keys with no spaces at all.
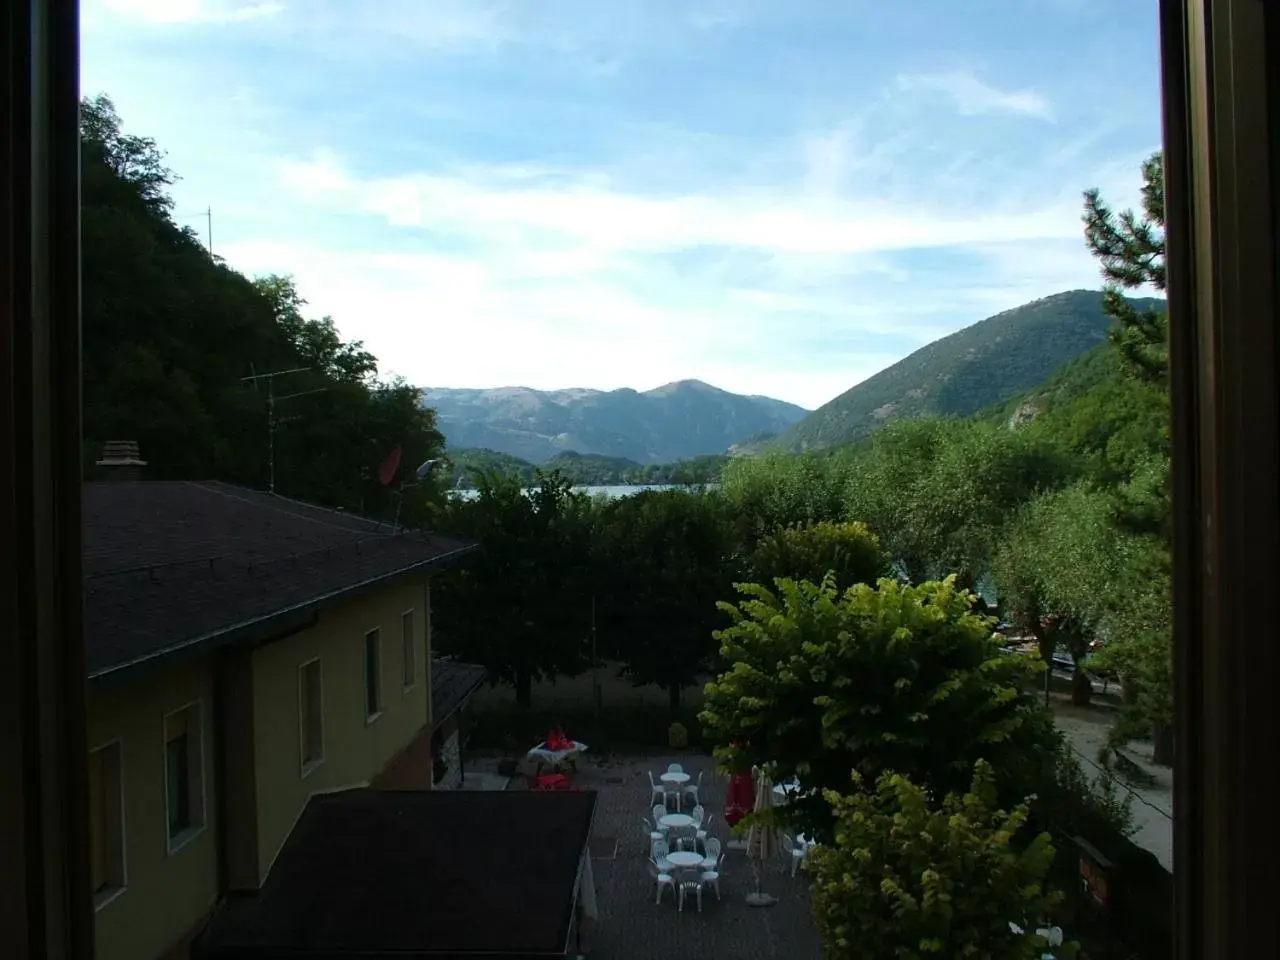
{"x":980,"y":366}
{"x":677,"y":421}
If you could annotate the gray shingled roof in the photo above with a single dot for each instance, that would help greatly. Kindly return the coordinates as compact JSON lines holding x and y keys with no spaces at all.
{"x":172,"y":564}
{"x":437,"y":874}
{"x":451,"y":684}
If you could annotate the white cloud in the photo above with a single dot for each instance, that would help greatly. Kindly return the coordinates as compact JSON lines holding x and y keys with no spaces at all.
{"x":491,"y":204}
{"x":972,"y":97}
{"x":191,"y":11}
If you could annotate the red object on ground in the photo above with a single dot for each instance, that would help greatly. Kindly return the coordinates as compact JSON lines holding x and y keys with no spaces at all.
{"x":741,"y":797}
{"x":551,"y":781}
{"x":387,"y":472}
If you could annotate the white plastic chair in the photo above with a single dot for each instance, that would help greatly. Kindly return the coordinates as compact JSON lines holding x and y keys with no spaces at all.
{"x":710,"y":878}
{"x":798,"y":852}
{"x":711,"y":858}
{"x":658,"y":853}
{"x":690,"y":883}
{"x":659,"y":811}
{"x":705,"y":826}
{"x":661,"y":880}
{"x":659,"y":790}
{"x":691,"y":790}
{"x":651,"y":834}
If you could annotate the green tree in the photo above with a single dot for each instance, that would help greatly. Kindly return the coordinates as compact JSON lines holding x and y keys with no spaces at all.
{"x":848,"y":550}
{"x":519,"y":606}
{"x":874,"y":679}
{"x":666,"y":559}
{"x":778,"y":489}
{"x":905,"y":879}
{"x":938,"y":491}
{"x":1130,"y":249}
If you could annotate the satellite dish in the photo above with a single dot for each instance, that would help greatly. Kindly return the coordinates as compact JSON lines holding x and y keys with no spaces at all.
{"x":425,"y":467}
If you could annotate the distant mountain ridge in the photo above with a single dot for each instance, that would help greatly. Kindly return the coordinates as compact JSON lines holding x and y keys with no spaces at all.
{"x":676,"y":421}
{"x":980,"y":366}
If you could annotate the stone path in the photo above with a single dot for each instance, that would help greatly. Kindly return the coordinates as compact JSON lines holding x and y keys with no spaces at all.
{"x":631,"y":925}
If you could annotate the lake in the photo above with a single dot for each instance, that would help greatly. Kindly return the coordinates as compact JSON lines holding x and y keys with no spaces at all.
{"x":609,"y":492}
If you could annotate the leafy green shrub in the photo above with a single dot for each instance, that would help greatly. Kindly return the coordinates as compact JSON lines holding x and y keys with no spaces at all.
{"x":904,"y":880}
{"x":849,"y":550}
{"x":892,"y":678}
{"x":677,"y":736}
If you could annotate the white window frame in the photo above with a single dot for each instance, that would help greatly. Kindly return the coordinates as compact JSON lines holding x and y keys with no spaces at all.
{"x":409,"y":651}
{"x":381,"y":706}
{"x":306,"y":766}
{"x":103,"y":897}
{"x":176,"y":843}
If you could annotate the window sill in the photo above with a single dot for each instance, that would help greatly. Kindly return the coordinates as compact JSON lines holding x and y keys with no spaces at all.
{"x":106,"y":896}
{"x":373,"y":718}
{"x":176,"y":843}
{"x":310,"y":766}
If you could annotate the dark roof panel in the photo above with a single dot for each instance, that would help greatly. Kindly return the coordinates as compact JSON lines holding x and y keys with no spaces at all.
{"x":169,"y":564}
{"x":434,"y":874}
{"x":451,"y":684}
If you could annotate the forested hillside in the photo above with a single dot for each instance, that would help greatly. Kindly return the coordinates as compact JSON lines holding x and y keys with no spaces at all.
{"x":982,"y":365}
{"x":171,"y":333}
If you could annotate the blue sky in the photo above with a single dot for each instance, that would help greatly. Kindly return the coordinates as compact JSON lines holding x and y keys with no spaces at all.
{"x":775,"y":196}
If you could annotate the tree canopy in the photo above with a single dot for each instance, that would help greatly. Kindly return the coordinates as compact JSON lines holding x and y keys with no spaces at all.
{"x":875,"y":678}
{"x":171,"y":333}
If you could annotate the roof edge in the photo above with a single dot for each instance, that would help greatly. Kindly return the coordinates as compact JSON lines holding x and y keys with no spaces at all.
{"x":247,"y":628}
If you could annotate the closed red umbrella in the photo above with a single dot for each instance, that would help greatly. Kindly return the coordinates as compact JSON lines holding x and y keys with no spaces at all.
{"x":741,"y":797}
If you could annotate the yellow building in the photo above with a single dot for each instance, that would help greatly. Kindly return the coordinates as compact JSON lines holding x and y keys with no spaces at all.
{"x":246,"y":653}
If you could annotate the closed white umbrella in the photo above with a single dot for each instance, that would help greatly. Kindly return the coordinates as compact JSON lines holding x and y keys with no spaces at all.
{"x":762,"y":841}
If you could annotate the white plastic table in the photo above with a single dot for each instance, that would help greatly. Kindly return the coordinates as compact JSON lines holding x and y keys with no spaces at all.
{"x":679,"y":779}
{"x":678,"y":821}
{"x":557,"y":757}
{"x":684,"y":859}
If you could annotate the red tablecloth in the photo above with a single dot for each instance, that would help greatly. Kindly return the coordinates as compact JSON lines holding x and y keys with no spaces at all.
{"x":740,"y":798}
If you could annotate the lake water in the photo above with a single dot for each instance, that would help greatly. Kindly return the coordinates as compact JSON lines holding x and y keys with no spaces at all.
{"x":610,"y":492}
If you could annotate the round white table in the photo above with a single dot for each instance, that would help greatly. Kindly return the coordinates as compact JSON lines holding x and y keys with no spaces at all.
{"x":684,"y":859}
{"x":678,"y":821}
{"x":679,"y":779}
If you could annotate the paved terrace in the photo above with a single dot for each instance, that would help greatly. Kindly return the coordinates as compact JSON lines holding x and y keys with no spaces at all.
{"x":631,"y":925}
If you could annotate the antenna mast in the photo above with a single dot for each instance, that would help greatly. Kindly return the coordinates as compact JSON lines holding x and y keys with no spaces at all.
{"x":271,"y":412}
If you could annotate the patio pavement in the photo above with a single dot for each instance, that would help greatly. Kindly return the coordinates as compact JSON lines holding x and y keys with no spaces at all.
{"x":631,"y":925}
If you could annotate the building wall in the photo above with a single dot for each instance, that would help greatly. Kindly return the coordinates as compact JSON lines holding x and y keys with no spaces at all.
{"x":166,"y":893}
{"x":355,"y":750}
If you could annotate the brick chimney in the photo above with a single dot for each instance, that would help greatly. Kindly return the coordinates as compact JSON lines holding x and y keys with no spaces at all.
{"x":120,"y":460}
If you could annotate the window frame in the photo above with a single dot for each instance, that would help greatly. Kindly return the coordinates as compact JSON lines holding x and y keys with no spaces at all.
{"x":112,"y":891}
{"x":379,"y":705}
{"x":305,"y":766}
{"x":175,"y":842}
{"x":408,"y":651}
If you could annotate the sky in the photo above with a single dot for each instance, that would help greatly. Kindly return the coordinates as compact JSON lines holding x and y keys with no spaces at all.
{"x":777,"y":197}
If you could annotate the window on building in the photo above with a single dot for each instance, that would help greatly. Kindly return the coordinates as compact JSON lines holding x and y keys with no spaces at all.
{"x":184,"y":774}
{"x":410,"y":649}
{"x":311,"y":714}
{"x":372,"y":674}
{"x":106,"y":822}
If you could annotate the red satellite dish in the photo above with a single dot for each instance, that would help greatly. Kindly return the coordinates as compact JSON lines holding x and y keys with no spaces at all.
{"x":387,"y":472}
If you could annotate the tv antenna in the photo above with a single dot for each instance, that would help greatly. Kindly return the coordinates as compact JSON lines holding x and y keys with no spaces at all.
{"x":272,"y":420}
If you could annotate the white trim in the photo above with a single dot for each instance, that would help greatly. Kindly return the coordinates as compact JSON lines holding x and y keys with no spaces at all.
{"x":298,"y":816}
{"x":305,"y":766}
{"x":381,"y":705}
{"x":174,"y":844}
{"x":102,"y":897}
{"x":413,"y":646}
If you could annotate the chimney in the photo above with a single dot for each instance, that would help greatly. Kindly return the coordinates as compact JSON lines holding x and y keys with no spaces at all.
{"x":120,"y":460}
